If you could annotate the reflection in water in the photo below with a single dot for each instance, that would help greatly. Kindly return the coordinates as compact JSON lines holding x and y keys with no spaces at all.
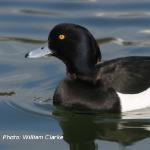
{"x":20,"y":39}
{"x":82,"y":131}
{"x":106,"y":40}
{"x":7,"y":93}
{"x":120,"y":41}
{"x":39,"y":12}
{"x":122,"y":14}
{"x":145,"y":31}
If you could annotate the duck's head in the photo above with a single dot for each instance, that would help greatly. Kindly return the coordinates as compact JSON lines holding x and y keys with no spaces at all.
{"x":74,"y":45}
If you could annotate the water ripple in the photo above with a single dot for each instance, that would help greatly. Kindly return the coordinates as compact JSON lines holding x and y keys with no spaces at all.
{"x":39,"y":12}
{"x":21,"y":39}
{"x":120,"y":41}
{"x":106,"y":40}
{"x":122,"y":14}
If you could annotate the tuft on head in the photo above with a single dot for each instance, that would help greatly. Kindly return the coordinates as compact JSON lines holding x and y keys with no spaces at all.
{"x":75,"y":46}
{"x":72,"y":38}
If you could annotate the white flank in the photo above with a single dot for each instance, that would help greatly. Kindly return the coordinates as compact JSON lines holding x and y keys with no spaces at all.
{"x":130,"y":102}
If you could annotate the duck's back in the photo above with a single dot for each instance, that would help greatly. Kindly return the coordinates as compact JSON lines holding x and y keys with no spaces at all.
{"x":128,"y":75}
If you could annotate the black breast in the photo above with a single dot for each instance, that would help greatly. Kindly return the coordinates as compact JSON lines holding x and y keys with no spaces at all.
{"x":80,"y":95}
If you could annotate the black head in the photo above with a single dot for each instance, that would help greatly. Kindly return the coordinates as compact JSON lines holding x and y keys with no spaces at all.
{"x":75,"y":46}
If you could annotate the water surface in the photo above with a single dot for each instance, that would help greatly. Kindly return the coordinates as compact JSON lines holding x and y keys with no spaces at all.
{"x":122,"y":28}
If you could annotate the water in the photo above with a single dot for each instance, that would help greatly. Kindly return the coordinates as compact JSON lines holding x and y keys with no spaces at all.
{"x":27,"y":86}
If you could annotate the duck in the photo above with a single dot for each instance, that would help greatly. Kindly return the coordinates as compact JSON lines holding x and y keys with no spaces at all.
{"x":91,"y":84}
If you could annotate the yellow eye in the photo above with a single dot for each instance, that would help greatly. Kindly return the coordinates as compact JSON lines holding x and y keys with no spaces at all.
{"x":61,"y":37}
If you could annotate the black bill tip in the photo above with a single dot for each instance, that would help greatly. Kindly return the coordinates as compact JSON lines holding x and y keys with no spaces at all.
{"x":27,"y":55}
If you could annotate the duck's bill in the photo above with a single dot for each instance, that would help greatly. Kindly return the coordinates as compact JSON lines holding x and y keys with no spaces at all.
{"x":40,"y":52}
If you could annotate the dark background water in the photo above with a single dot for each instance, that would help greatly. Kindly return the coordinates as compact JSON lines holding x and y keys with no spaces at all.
{"x":122,"y":28}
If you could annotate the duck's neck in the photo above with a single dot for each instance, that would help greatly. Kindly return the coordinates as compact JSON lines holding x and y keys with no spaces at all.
{"x":84,"y":73}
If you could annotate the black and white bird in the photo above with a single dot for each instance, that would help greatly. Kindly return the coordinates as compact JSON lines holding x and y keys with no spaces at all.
{"x":114,"y":86}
